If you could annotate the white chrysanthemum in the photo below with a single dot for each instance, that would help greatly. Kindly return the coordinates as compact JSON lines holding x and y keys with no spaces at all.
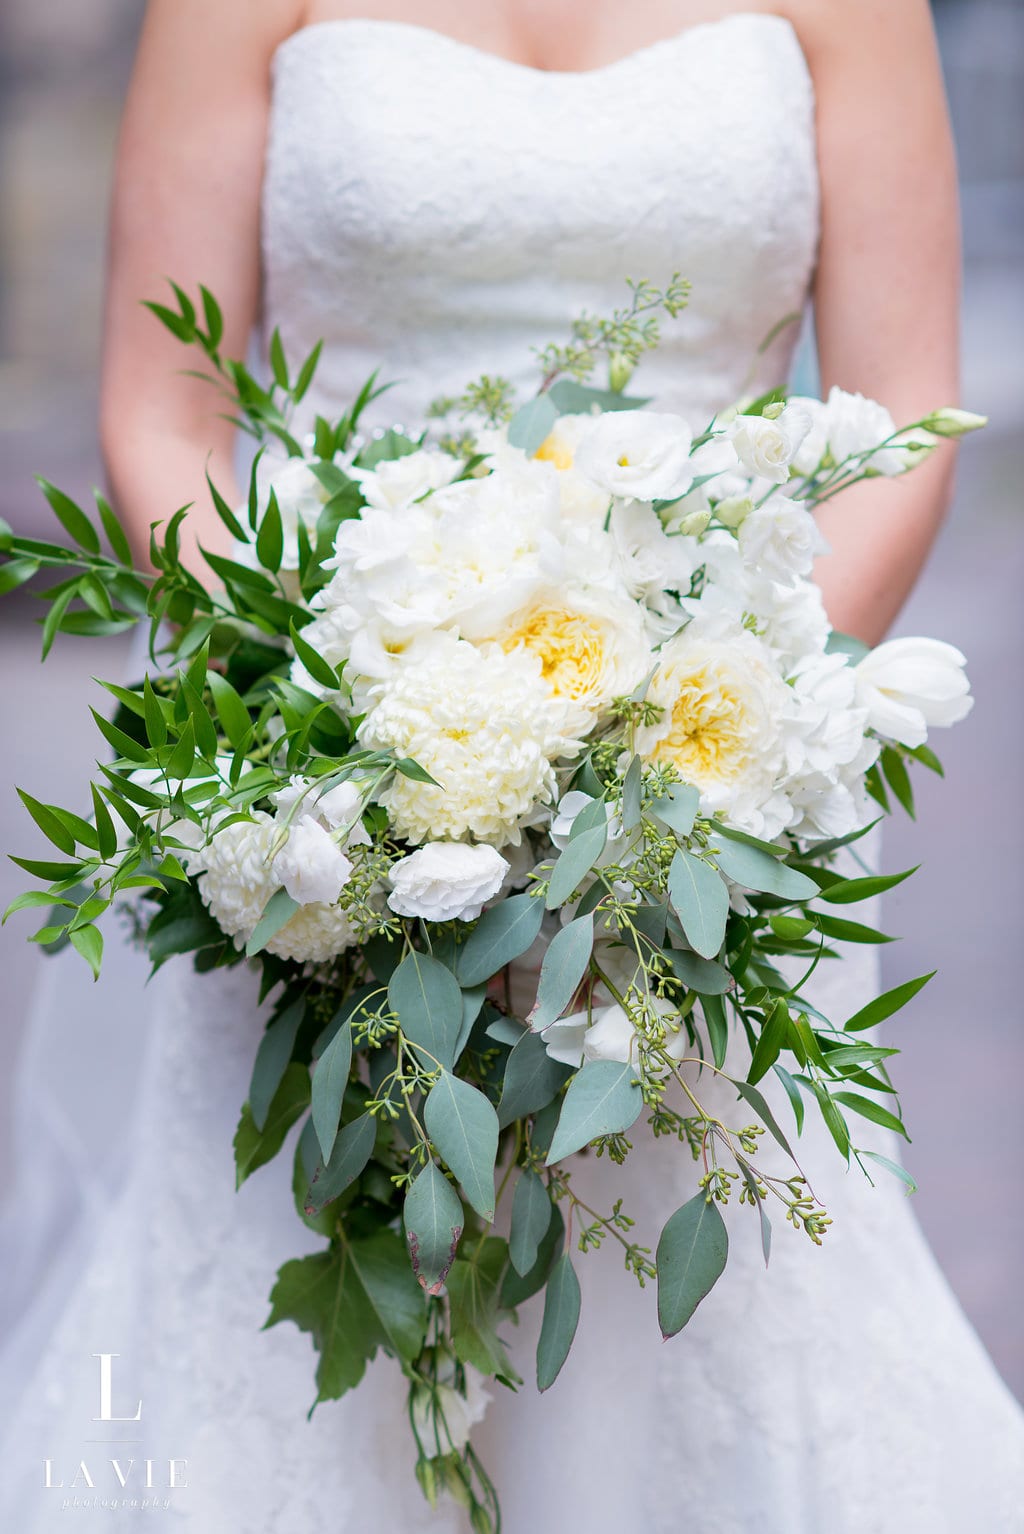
{"x":591,"y":645}
{"x":721,"y":726}
{"x":483,"y":724}
{"x":397,"y":482}
{"x":236,"y":881}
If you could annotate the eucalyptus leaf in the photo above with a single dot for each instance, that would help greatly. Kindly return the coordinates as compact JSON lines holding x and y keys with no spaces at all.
{"x":565,"y":964}
{"x":352,"y":1149}
{"x":330,"y":1078}
{"x":678,"y":808}
{"x":574,"y":863}
{"x":701,"y":901}
{"x":434,"y":1220}
{"x":561,"y":1317}
{"x":427,"y":999}
{"x":532,"y":423}
{"x":531,"y":1218}
{"x":757,"y":870}
{"x":603,"y":1098}
{"x":532,"y":1080}
{"x":502,"y":934}
{"x":277,"y":913}
{"x":464,"y":1127}
{"x":691,"y":1257}
{"x":272,"y":1059}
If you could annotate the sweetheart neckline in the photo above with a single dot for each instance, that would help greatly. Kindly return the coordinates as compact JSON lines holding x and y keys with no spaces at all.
{"x":531,"y":71}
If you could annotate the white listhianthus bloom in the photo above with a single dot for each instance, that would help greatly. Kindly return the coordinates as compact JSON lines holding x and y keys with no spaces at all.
{"x":608,"y":1033}
{"x":808,"y":456}
{"x":908,"y":685}
{"x":444,"y":1424}
{"x":236,"y":881}
{"x":641,"y":455}
{"x":446,"y":881}
{"x":855,"y":425}
{"x":311,"y":865}
{"x":767,"y":445}
{"x":486,"y":728}
{"x":397,"y":482}
{"x":780,"y":539}
{"x":722,"y":702}
{"x":650,"y":563}
{"x":591,"y":644}
{"x":333,"y":807}
{"x":581,"y":500}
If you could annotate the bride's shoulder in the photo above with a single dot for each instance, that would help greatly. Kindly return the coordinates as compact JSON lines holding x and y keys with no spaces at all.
{"x":223,"y":30}
{"x":838,"y":35}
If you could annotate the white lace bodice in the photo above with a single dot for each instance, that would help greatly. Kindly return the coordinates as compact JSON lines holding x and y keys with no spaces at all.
{"x":437,"y":211}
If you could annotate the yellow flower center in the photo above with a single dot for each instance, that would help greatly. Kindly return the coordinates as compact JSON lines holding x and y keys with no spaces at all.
{"x":708,"y":738}
{"x":570,"y":647}
{"x":554,"y":450}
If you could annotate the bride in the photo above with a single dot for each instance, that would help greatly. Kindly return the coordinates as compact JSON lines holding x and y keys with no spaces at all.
{"x":435,"y":188}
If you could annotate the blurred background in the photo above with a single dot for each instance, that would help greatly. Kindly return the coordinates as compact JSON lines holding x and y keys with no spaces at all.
{"x":63,"y":69}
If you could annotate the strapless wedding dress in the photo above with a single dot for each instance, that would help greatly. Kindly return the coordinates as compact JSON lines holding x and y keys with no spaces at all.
{"x":437,"y":211}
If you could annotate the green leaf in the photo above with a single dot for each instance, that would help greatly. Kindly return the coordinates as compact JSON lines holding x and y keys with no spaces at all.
{"x":254,"y":1148}
{"x":532,"y":1080}
{"x":313,"y":661}
{"x":270,"y":536}
{"x":926,"y":756}
{"x":434,"y":1220}
{"x":49,"y":823}
{"x":213,"y":317}
{"x":678,"y":808}
{"x":718,"y":1028}
{"x":464,"y":1127}
{"x":575,"y":862}
{"x":701,"y":901}
{"x":561,"y":1317}
{"x":849,"y":931}
{"x":759,"y":871}
{"x":88,"y":941}
{"x":15,"y":572}
{"x":834,"y":1121}
{"x":515,"y":1289}
{"x":565,"y":964}
{"x":277,"y":913}
{"x":330,"y":1078}
{"x":105,"y":831}
{"x":869,"y":1109}
{"x":272,"y":1057}
{"x":352,"y":1149}
{"x":231,"y":711}
{"x":603,"y":1098}
{"x":631,"y":786}
{"x":202,"y":721}
{"x":502,"y":934}
{"x":156,"y":724}
{"x":702,"y":975}
{"x":771,"y":1042}
{"x":574,"y":398}
{"x":898,"y":778}
{"x":793,"y":1093}
{"x":691,"y":1257}
{"x":531,"y":424}
{"x":474,"y":1307}
{"x":756,"y":1100}
{"x":71,"y":517}
{"x":849,"y":891}
{"x":531,"y":1217}
{"x":397,"y":1301}
{"x":893,"y":1167}
{"x":885,"y":1005}
{"x":182,"y":759}
{"x":427,"y":999}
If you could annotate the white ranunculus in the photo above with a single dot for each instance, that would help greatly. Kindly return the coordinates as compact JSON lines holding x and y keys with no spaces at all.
{"x":446,"y":881}
{"x":855,"y":425}
{"x":780,"y":539}
{"x":640,"y":455}
{"x":311,"y":865}
{"x":766,"y":446}
{"x":397,"y":482}
{"x":908,"y":685}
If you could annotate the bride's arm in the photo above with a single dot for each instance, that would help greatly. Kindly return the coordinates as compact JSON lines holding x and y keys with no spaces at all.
{"x":887,"y":290}
{"x":186,"y":206}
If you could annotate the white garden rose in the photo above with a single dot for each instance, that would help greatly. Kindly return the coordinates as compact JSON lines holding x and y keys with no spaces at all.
{"x":855,"y":425}
{"x":486,"y":728}
{"x":641,"y":455}
{"x":311,"y":865}
{"x":908,"y":685}
{"x":766,"y":445}
{"x":446,"y":881}
{"x":397,"y":482}
{"x":236,"y":881}
{"x":721,"y":726}
{"x":781,"y":539}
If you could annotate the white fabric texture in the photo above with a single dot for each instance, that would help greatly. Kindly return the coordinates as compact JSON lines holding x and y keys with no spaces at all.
{"x":438,"y":212}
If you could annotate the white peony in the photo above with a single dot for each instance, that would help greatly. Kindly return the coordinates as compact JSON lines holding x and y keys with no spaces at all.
{"x":485,"y":727}
{"x":236,"y":881}
{"x":908,"y":685}
{"x":780,"y":539}
{"x":397,"y":482}
{"x":638,"y":455}
{"x":766,"y":445}
{"x":311,"y":865}
{"x":855,"y":425}
{"x":446,"y":881}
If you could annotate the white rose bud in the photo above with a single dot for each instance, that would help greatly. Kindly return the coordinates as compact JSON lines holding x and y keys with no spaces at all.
{"x":311,"y":865}
{"x":907,"y":685}
{"x":766,"y":447}
{"x":446,"y":881}
{"x":949,"y":422}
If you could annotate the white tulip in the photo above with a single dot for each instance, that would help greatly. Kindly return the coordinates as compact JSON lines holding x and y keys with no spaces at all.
{"x":908,"y":685}
{"x":639,"y":455}
{"x":446,"y":881}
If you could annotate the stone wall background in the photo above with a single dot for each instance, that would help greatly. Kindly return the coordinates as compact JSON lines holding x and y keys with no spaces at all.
{"x":63,"y":68}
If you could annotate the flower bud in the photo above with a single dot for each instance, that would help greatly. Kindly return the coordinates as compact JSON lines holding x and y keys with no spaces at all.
{"x":694,"y":524}
{"x":427,"y":1479}
{"x":620,"y":371}
{"x":480,"y":1521}
{"x":734,"y":510}
{"x":949,"y":422}
{"x":774,"y":410}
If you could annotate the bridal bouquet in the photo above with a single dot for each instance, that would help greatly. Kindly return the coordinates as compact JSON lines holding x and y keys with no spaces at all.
{"x":517,"y":758}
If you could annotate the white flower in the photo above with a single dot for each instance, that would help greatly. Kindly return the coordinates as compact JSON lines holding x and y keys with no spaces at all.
{"x":341,"y":805}
{"x":766,"y":446}
{"x":446,"y":881}
{"x":591,"y":645}
{"x":908,"y":685}
{"x":485,"y":727}
{"x":855,"y":425}
{"x":780,"y":539}
{"x":721,"y":726}
{"x":638,"y":455}
{"x":311,"y":865}
{"x":607,"y":1033}
{"x":457,"y":1411}
{"x":814,"y":446}
{"x":236,"y":882}
{"x":397,"y":482}
{"x":580,"y":499}
{"x":950,"y":422}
